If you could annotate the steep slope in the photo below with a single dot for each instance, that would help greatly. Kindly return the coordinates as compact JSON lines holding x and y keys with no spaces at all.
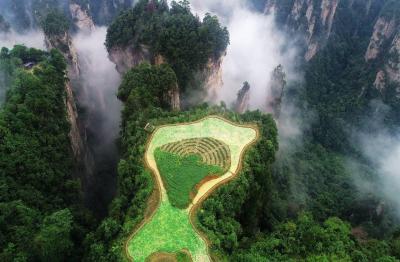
{"x":152,"y":32}
{"x":40,"y":199}
{"x":62,"y":41}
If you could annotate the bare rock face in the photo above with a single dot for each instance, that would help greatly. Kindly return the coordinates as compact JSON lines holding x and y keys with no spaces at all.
{"x":393,"y":64}
{"x":322,"y":15}
{"x":64,"y":44}
{"x":173,"y":98}
{"x":384,"y":29}
{"x":313,"y":18}
{"x":81,"y":18}
{"x":128,"y":57}
{"x":380,"y":81}
{"x":213,"y":78}
{"x":75,"y":133}
{"x":243,"y":98}
{"x":391,"y":69}
{"x":277,"y":85}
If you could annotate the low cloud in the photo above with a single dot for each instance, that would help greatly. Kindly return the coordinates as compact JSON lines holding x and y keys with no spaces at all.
{"x":256,"y":48}
{"x":99,"y":82}
{"x":382,"y":150}
{"x":30,"y":39}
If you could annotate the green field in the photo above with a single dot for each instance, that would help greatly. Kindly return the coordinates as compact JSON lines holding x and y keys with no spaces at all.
{"x":181,"y":174}
{"x":181,"y":156}
{"x":168,"y":231}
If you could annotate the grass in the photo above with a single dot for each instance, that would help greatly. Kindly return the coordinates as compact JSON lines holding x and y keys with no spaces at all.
{"x":181,"y":174}
{"x":169,"y":230}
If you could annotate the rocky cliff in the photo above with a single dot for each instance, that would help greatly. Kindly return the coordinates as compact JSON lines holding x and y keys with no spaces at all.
{"x":243,"y":99}
{"x":312,"y":19}
{"x":384,"y":30}
{"x":276,"y":86}
{"x":384,"y":50}
{"x":213,"y":78}
{"x":389,"y":73}
{"x":81,"y":18}
{"x":173,"y":97}
{"x":129,"y":57}
{"x":63,"y":43}
{"x":77,"y":133}
{"x":125,"y":58}
{"x":376,"y":22}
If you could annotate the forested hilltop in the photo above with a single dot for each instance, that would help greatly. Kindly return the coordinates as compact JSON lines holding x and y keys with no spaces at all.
{"x":154,"y":32}
{"x":296,"y":202}
{"x":41,"y":215}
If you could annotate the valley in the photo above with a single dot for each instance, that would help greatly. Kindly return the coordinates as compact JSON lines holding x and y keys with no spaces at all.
{"x":199,"y":130}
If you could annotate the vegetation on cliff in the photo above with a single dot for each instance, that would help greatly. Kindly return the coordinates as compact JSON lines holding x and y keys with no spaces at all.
{"x":55,"y":23}
{"x":175,"y":33}
{"x":40,"y":212}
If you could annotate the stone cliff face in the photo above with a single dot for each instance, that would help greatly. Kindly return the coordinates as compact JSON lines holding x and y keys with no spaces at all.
{"x":128,"y":57}
{"x":64,"y":44}
{"x":315,"y":20}
{"x":384,"y":46}
{"x":81,"y":18}
{"x":173,"y":98}
{"x":243,"y":99}
{"x":390,"y":71}
{"x":276,"y":85}
{"x":384,"y":30}
{"x":78,"y":132}
{"x":213,"y":78}
{"x":312,"y":19}
{"x":75,"y":133}
{"x":318,"y":16}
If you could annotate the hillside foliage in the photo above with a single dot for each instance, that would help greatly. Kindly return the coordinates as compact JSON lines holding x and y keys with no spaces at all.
{"x":175,"y":33}
{"x":40,"y":210}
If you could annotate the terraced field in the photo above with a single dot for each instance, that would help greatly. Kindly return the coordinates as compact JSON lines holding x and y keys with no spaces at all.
{"x":211,"y":150}
{"x":188,"y":162}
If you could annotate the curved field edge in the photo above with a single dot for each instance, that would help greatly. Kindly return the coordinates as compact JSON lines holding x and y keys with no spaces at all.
{"x":158,"y":188}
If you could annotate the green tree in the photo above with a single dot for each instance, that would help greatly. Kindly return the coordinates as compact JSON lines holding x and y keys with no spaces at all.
{"x":55,"y":23}
{"x":54,"y":239}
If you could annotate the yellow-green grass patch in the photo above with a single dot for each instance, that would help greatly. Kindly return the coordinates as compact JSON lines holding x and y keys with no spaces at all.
{"x":170,"y":230}
{"x":180,"y":175}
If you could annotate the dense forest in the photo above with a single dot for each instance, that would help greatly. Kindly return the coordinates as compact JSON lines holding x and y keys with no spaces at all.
{"x":41,"y":213}
{"x":175,"y":33}
{"x":287,"y":204}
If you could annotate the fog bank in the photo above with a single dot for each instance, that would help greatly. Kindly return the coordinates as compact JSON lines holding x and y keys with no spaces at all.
{"x":100,"y":113}
{"x":381,"y":147}
{"x":256,"y":48}
{"x":30,"y":39}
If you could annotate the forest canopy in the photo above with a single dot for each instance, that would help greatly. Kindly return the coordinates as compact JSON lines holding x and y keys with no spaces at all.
{"x":39,"y":200}
{"x":173,"y":32}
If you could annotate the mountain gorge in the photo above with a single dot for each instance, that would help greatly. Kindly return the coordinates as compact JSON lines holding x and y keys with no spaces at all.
{"x":318,"y":22}
{"x":320,"y":79}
